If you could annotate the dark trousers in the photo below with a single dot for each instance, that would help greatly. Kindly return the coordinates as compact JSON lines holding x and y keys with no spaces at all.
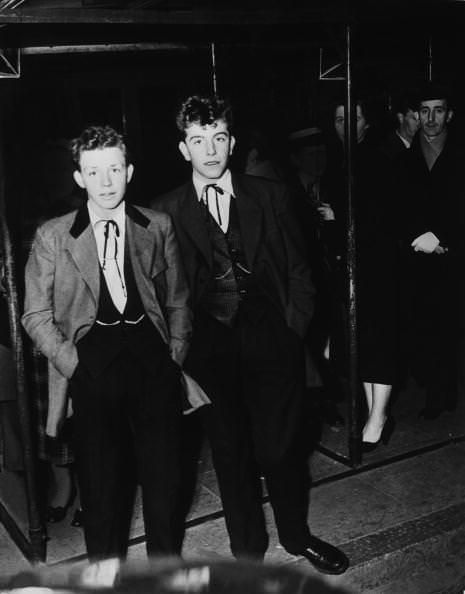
{"x":254,"y":376}
{"x":126,"y":424}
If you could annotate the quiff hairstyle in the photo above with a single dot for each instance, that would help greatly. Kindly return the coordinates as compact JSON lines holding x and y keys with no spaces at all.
{"x":203,"y":110}
{"x":97,"y":137}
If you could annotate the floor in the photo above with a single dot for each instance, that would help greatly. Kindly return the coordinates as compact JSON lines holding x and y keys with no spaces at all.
{"x":400,"y":517}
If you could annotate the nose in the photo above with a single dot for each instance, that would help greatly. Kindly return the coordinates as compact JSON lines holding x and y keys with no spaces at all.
{"x":105,"y":179}
{"x":431,"y":117}
{"x":211,"y":148}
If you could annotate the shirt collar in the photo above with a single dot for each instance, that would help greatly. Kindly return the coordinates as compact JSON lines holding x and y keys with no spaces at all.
{"x":118,"y":215}
{"x":407,"y":144}
{"x":224,"y":182}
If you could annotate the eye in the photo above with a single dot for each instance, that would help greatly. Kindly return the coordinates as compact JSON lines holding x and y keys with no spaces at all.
{"x":116,"y":169}
{"x":91,"y":173}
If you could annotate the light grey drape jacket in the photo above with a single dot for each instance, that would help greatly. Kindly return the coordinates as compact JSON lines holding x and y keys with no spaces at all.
{"x":63,"y":283}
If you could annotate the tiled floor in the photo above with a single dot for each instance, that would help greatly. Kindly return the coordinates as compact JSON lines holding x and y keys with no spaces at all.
{"x":11,"y":559}
{"x":399,"y":501}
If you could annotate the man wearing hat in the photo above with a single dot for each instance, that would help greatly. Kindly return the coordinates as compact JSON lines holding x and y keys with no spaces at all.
{"x":432,"y":183}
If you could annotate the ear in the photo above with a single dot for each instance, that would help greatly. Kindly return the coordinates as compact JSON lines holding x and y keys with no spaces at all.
{"x":232,"y":144}
{"x":129,"y":172}
{"x":184,"y":150}
{"x":400,"y":118}
{"x":450,"y":115}
{"x":78,"y":179}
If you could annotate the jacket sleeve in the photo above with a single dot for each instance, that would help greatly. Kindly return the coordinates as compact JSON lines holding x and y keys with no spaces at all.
{"x":38,"y":318}
{"x":301,"y":290}
{"x":177,"y":311}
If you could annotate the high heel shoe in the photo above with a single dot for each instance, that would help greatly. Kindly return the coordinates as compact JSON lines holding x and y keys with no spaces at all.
{"x":385,"y":437}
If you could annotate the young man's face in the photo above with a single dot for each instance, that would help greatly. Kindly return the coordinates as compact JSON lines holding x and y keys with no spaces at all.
{"x":408,"y":123}
{"x":434,"y":116}
{"x":362,"y":124}
{"x":104,"y":175}
{"x":208,"y":148}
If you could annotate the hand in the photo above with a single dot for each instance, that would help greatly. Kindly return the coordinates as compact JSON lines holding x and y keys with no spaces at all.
{"x":326,"y":212}
{"x":427,"y":243}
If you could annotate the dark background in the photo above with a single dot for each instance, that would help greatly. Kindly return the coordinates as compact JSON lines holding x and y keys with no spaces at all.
{"x":270,"y":72}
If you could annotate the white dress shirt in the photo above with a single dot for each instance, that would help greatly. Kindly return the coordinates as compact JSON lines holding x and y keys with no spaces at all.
{"x":406,"y":143}
{"x":112,"y":262}
{"x":225,"y":183}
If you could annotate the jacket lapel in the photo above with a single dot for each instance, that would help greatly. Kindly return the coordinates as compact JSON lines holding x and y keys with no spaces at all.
{"x":192,"y":222}
{"x":250,"y":217}
{"x":83,"y":250}
{"x":141,"y":244}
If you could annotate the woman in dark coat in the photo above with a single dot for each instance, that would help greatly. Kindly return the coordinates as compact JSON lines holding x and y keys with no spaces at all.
{"x":375,"y":270}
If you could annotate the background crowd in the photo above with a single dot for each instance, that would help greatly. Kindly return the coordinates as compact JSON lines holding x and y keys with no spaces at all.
{"x":408,"y":191}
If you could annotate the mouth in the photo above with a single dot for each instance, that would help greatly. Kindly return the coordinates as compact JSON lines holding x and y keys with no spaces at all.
{"x":211,"y":163}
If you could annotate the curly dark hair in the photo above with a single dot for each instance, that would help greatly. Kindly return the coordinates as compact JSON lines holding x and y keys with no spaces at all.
{"x":97,"y":137}
{"x":203,"y":110}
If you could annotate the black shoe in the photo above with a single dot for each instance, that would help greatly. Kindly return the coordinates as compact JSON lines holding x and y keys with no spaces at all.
{"x":385,"y":437}
{"x":54,"y":514}
{"x":324,"y":557}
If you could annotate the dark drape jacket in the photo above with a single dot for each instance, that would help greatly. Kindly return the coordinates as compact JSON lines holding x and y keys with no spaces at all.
{"x":273,"y":244}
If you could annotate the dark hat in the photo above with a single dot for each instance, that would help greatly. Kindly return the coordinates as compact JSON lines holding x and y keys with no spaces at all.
{"x":434,"y":90}
{"x":312,"y":136}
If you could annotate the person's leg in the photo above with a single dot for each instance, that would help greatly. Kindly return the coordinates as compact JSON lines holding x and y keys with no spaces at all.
{"x":225,"y":422}
{"x":104,"y":461}
{"x":273,"y":377}
{"x":368,"y":390}
{"x":154,"y":404}
{"x":238,"y":478}
{"x":379,"y":395}
{"x":62,"y":486}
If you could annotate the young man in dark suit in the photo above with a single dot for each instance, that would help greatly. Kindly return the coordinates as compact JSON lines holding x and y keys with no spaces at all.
{"x":106,"y":303}
{"x":252,"y":299}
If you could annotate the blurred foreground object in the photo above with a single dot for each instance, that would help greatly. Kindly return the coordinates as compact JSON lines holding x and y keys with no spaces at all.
{"x":170,"y":576}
